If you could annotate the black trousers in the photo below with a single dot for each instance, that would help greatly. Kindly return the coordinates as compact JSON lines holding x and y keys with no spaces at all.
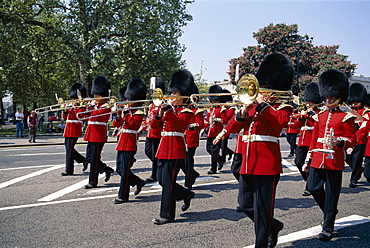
{"x":125,"y":160}
{"x":300,"y":157}
{"x":355,"y":160}
{"x":171,"y":191}
{"x":71,"y":154}
{"x":236,"y":164}
{"x":151,"y":147}
{"x":190,"y":173}
{"x":367,"y":168}
{"x":325,"y":186}
{"x":225,"y":150}
{"x":291,"y":138}
{"x":93,"y":155}
{"x":214,"y":151}
{"x":257,"y":199}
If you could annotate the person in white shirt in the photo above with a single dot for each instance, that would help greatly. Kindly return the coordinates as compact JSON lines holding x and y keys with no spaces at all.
{"x":19,"y":123}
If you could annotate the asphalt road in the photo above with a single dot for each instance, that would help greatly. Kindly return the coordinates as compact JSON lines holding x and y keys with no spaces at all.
{"x":40,"y":208}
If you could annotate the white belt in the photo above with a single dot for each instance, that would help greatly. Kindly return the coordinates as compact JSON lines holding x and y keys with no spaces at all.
{"x":172,"y":134}
{"x":74,"y":121}
{"x":306,"y":128}
{"x":326,"y":140}
{"x":128,"y":131}
{"x":290,"y":123}
{"x":255,"y":137}
{"x":96,"y":123}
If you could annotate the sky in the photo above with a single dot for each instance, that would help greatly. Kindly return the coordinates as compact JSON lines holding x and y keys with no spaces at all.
{"x":221,"y":28}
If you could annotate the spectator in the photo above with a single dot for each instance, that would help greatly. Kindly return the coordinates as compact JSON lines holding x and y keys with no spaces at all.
{"x":19,"y":123}
{"x":61,"y":127}
{"x":32,"y":123}
{"x":50,"y":128}
{"x":40,"y":122}
{"x":26,"y":113}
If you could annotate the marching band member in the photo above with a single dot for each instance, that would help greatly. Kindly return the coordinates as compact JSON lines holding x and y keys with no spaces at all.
{"x":292,"y":132}
{"x":73,"y":130}
{"x":171,"y":153}
{"x":97,"y":130}
{"x":153,"y":136}
{"x":357,"y":99}
{"x":334,"y":131}
{"x":215,"y":119}
{"x":192,"y":142}
{"x":230,"y":111}
{"x":261,"y":158}
{"x":129,"y":122}
{"x":364,"y":134}
{"x":305,"y":122}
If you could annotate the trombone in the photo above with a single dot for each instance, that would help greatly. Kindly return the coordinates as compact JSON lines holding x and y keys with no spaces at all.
{"x":61,"y":105}
{"x":158,"y":98}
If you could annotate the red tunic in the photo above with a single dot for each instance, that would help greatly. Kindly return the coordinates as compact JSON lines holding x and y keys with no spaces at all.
{"x":364,"y":133}
{"x":175,"y":121}
{"x":32,"y":120}
{"x":344,"y":127}
{"x":365,"y":114}
{"x":215,"y":114}
{"x":129,"y":125}
{"x":261,"y":150}
{"x":97,"y":128}
{"x":291,"y":128}
{"x":73,"y":124}
{"x":192,"y":136}
{"x":306,"y":124}
{"x":152,"y":132}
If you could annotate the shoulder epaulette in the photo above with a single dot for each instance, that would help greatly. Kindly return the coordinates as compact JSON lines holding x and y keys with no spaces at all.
{"x":223,"y":109}
{"x":139,"y":112}
{"x":366,"y":110}
{"x":366,"y":117}
{"x":348,"y":116}
{"x":283,"y":105}
{"x":186,"y":110}
{"x":199,"y":111}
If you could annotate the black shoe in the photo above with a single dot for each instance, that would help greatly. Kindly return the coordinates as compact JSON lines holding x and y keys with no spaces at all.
{"x":188,"y":188}
{"x":195,"y":178}
{"x":220,"y":165}
{"x":108,"y":174}
{"x":352,"y":185}
{"x":210,"y":172}
{"x":325,"y":235}
{"x":239,"y":209}
{"x":30,"y":141}
{"x":230,"y":156}
{"x":187,"y":201}
{"x":290,"y":155}
{"x":139,"y":187}
{"x":85,"y":164}
{"x":150,"y":180}
{"x":306,"y":193}
{"x":66,"y":174}
{"x":161,"y":221}
{"x":273,"y":238}
{"x":34,"y":141}
{"x":120,"y":200}
{"x":89,"y":186}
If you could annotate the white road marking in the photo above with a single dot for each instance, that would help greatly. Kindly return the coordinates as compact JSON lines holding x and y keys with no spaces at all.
{"x":289,"y":165}
{"x":313,"y":231}
{"x":37,"y":173}
{"x":26,"y":167}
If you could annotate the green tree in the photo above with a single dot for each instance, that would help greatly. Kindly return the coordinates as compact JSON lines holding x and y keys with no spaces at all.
{"x":50,"y":44}
{"x":283,"y":38}
{"x":200,"y":81}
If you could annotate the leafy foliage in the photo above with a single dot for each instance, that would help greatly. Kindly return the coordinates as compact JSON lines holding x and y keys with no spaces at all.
{"x":282,"y":38}
{"x":48,"y":45}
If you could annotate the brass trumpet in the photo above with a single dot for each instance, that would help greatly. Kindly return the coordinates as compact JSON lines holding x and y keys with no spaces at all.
{"x":158,"y":97}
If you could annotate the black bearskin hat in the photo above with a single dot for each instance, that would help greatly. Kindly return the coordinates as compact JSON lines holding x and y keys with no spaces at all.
{"x":101,"y":86}
{"x":77,"y":86}
{"x":275,"y":72}
{"x":357,"y":93}
{"x":215,"y":89}
{"x":334,"y":83}
{"x":159,"y":83}
{"x":226,"y":98}
{"x":182,"y":81}
{"x":121,"y":93}
{"x":311,"y":93}
{"x":136,"y":90}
